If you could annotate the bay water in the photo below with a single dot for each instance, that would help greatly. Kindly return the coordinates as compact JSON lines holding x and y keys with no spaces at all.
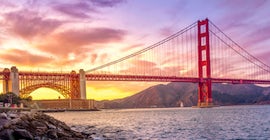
{"x":227,"y":122}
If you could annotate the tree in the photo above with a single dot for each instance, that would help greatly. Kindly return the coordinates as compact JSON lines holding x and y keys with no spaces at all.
{"x":10,"y":97}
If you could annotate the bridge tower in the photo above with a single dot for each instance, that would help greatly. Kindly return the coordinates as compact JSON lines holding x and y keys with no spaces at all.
{"x":204,"y":67}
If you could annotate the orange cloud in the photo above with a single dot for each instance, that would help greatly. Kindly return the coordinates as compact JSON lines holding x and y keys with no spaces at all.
{"x":132,"y":47}
{"x":76,"y":40}
{"x":22,"y":58}
{"x":80,"y":43}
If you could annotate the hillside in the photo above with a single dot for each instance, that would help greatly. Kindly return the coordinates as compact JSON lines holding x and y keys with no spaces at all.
{"x":172,"y":94}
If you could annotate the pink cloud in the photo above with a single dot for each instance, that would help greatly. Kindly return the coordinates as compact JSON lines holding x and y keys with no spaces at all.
{"x":91,"y":36}
{"x":7,"y":4}
{"x":166,"y":31}
{"x":143,"y":63}
{"x":84,"y":9}
{"x":265,"y":57}
{"x":76,"y":10}
{"x":258,"y":35}
{"x":28,"y":24}
{"x":106,"y":3}
{"x":238,"y":17}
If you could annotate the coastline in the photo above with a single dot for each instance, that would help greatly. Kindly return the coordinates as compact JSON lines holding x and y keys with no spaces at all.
{"x":29,"y":125}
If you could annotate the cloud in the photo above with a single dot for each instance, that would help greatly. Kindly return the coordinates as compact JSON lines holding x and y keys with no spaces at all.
{"x":128,"y":48}
{"x":84,"y":9}
{"x":5,"y":4}
{"x":92,"y":36}
{"x":240,"y":16}
{"x":106,"y":3}
{"x":144,"y":67}
{"x":76,"y":10}
{"x":166,"y":31}
{"x":28,"y":24}
{"x":264,"y":57}
{"x":103,"y":57}
{"x":24,"y":58}
{"x":93,"y":58}
{"x":234,"y":4}
{"x":79,"y":44}
{"x":75,"y":41}
{"x":258,"y":35}
{"x":143,"y":63}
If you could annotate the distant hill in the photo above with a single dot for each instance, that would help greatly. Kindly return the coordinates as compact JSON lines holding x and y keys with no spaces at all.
{"x":172,"y":94}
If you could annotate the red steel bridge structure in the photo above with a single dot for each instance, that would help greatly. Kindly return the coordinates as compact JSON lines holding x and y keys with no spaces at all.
{"x":200,"y":53}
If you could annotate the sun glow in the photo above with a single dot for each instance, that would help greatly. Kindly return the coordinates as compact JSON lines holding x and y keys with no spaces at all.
{"x":46,"y":93}
{"x":106,"y":94}
{"x":92,"y":93}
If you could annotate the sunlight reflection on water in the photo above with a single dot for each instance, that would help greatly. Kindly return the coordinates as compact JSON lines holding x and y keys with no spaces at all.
{"x":231,"y":122}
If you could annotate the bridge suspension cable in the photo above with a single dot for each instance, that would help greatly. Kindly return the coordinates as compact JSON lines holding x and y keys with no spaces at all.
{"x":230,"y":60}
{"x":145,"y":49}
{"x":177,"y":56}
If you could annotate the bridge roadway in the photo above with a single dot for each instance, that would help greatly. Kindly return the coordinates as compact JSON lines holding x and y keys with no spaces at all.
{"x":143,"y":78}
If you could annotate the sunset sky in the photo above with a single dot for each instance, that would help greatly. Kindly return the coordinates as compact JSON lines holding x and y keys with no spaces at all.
{"x":65,"y":35}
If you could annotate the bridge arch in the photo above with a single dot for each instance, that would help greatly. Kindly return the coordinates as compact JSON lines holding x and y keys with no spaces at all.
{"x":63,"y":90}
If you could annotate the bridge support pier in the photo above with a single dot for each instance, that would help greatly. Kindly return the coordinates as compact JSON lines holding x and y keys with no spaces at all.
{"x":14,"y":78}
{"x":204,"y":67}
{"x":82,"y":84}
{"x":74,"y":86}
{"x":6,"y":81}
{"x":11,"y":80}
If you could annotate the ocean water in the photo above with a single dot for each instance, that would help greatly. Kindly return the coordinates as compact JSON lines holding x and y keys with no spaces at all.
{"x":230,"y":122}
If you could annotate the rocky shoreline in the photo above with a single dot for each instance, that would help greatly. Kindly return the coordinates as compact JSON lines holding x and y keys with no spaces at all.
{"x":38,"y":126}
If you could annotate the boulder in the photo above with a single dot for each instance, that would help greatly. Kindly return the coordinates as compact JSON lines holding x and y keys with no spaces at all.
{"x":13,"y":115}
{"x":36,"y":126}
{"x":52,"y":134}
{"x":3,"y":116}
{"x":6,"y":134}
{"x":22,"y":134}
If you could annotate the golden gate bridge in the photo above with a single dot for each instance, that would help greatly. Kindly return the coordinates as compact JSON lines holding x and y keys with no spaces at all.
{"x":200,"y":53}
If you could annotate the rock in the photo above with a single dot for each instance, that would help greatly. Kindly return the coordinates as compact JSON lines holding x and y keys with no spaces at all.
{"x":24,"y":117}
{"x":63,"y":134}
{"x":7,"y":125}
{"x":52,"y":134}
{"x":3,"y":116}
{"x":22,"y":134}
{"x":64,"y":126}
{"x":13,"y":115}
{"x":40,"y":131}
{"x":37,"y":126}
{"x":78,"y":135}
{"x":6,"y":134}
{"x":50,"y":126}
{"x":25,"y":123}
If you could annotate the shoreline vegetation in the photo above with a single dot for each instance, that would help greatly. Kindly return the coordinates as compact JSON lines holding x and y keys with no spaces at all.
{"x":36,"y":125}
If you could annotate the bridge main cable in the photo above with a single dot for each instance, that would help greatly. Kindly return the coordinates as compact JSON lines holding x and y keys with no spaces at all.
{"x":241,"y":48}
{"x":146,"y":49}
